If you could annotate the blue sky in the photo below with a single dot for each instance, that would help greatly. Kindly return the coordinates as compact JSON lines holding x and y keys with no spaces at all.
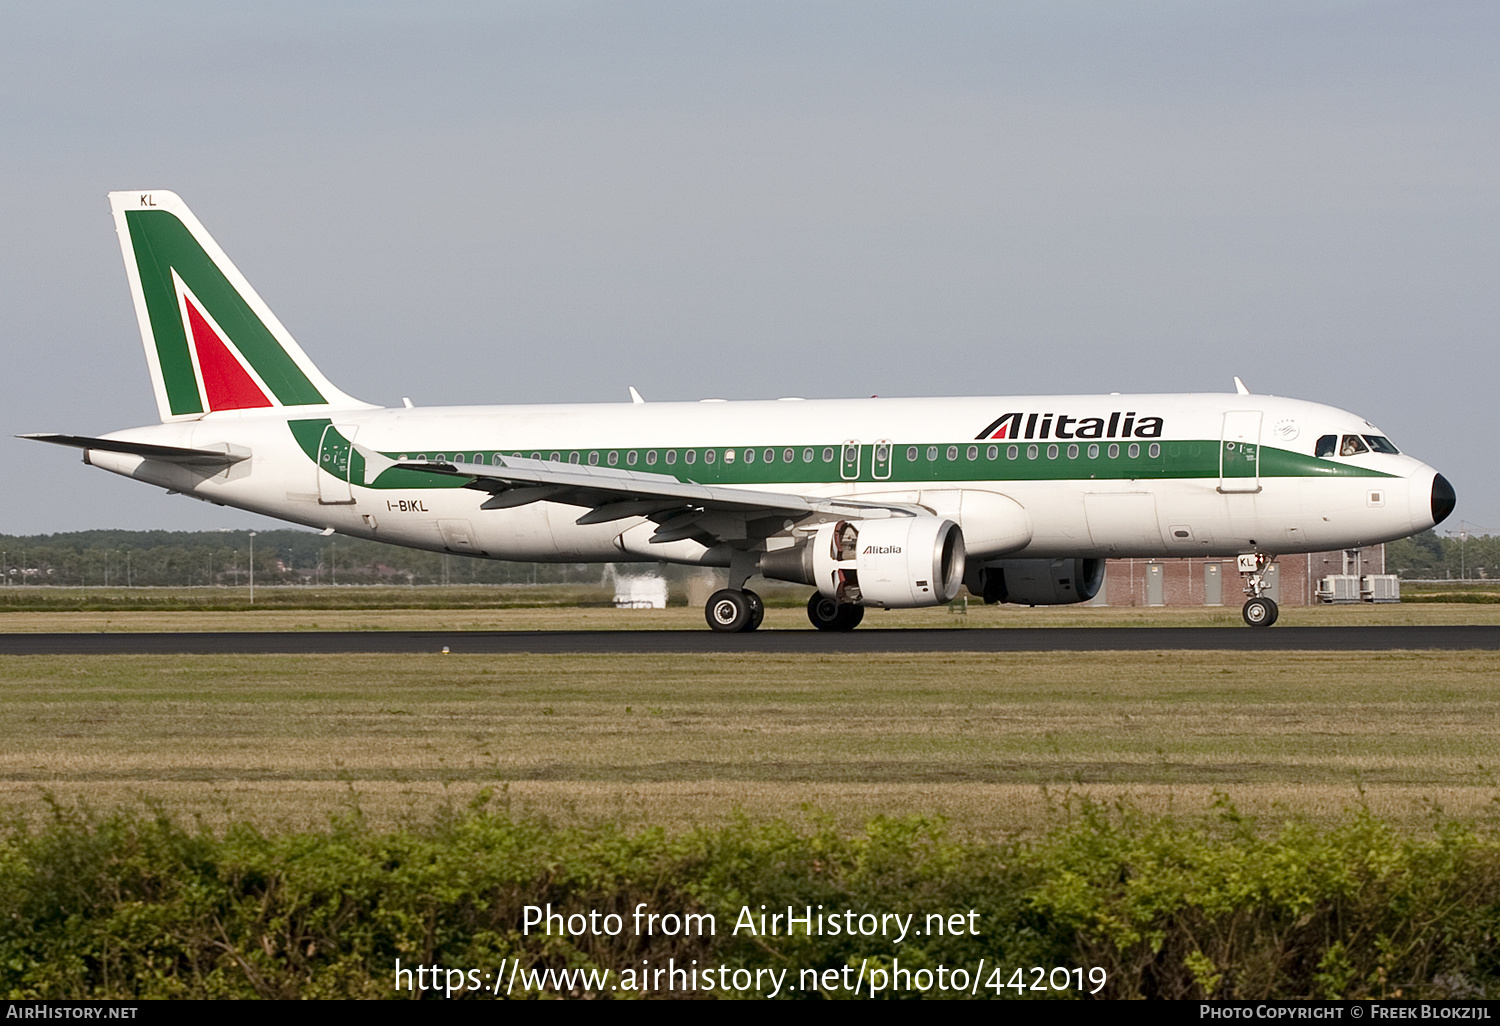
{"x":507,"y":203}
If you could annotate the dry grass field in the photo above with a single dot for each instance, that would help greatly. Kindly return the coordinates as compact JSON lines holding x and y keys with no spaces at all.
{"x":993,"y":742}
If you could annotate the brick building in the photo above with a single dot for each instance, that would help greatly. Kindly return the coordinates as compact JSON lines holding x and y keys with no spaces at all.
{"x":1199,"y":582}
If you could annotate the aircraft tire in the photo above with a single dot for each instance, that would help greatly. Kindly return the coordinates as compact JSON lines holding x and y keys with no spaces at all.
{"x":731,"y":612}
{"x":757,"y":610}
{"x":828,"y":615}
{"x":1260,"y":612}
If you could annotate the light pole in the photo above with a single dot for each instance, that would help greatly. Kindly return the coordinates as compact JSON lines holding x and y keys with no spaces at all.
{"x":252,"y":568}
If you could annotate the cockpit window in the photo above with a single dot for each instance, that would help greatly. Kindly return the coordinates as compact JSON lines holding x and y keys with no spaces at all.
{"x":1353,"y":446}
{"x":1380,"y":443}
{"x":1327,"y":445}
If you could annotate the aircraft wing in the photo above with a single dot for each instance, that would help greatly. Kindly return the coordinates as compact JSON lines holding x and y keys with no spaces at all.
{"x":226,"y":456}
{"x":681,"y":507}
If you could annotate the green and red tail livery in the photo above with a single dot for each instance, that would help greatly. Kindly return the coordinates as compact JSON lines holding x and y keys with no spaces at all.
{"x":211,"y":342}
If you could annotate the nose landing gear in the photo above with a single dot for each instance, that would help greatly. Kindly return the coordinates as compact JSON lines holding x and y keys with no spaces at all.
{"x":1259,"y":611}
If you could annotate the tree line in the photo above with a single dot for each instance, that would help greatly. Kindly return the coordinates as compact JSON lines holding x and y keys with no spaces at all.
{"x":222,"y":558}
{"x":1431,"y":556}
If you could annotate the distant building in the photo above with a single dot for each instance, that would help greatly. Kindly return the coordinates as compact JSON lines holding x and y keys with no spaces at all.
{"x":637,"y":591}
{"x":1295,"y":580}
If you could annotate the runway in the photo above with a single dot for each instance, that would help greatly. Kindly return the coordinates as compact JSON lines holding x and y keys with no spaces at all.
{"x":704,"y":642}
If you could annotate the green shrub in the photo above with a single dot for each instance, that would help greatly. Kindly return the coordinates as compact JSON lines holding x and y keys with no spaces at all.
{"x":131,"y":906}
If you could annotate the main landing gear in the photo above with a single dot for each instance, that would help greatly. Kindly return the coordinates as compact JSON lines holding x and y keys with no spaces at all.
{"x":828,"y":615}
{"x":734,"y":610}
{"x":1259,"y":611}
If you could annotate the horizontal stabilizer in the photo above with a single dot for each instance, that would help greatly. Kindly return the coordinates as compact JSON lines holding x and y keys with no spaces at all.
{"x":225,"y":457}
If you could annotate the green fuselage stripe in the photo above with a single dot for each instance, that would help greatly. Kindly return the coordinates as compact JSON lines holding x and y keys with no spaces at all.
{"x":1175,"y":460}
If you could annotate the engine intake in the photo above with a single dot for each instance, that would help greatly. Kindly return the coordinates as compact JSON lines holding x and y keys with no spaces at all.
{"x":900,"y":563}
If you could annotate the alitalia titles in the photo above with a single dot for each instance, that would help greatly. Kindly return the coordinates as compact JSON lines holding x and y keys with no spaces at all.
{"x":1060,"y":425}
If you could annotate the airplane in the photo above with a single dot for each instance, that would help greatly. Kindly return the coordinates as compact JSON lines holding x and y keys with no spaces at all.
{"x":885,"y":502}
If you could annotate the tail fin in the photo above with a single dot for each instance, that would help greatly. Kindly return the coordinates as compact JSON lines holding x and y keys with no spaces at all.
{"x":211,"y":342}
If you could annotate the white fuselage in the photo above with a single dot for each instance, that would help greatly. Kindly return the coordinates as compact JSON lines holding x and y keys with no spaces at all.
{"x":1066,"y":460}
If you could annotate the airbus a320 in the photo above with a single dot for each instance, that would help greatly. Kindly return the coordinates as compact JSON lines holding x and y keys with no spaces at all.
{"x":883,"y":503}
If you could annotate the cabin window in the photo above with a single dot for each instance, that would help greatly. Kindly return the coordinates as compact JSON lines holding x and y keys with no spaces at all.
{"x":555,"y":457}
{"x":1114,"y":452}
{"x":441,"y":458}
{"x":593,"y":459}
{"x":709,"y":455}
{"x":1134,"y":451}
{"x":536,"y":456}
{"x":769,"y":456}
{"x":1052,"y":452}
{"x":479,"y":457}
{"x":1326,"y":445}
{"x":689,"y":456}
{"x":952,"y":452}
{"x":807,"y":455}
{"x":973,"y":452}
{"x":911,"y":454}
{"x":882,"y":453}
{"x":1012,"y":452}
{"x":1353,"y":446}
{"x":749,"y":455}
{"x":828,"y":454}
{"x":1031,"y":452}
{"x":612,"y":459}
{"x":788,"y":455}
{"x":1072,"y":452}
{"x":931,"y":453}
{"x":630,"y":458}
{"x":650,"y":457}
{"x":992,"y":453}
{"x":671,"y":456}
{"x":1153,"y":450}
{"x":1093,"y":452}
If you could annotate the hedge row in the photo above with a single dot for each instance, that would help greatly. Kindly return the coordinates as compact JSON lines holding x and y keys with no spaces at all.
{"x":133,"y":906}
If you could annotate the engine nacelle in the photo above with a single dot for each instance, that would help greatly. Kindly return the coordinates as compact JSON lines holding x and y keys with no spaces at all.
{"x":1036,"y":582}
{"x":900,"y":563}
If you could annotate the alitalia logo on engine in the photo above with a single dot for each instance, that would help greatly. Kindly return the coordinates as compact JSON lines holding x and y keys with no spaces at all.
{"x":1060,"y":425}
{"x":881,"y":550}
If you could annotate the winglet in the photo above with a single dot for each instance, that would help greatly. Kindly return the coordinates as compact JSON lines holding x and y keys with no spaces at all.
{"x":635,"y":397}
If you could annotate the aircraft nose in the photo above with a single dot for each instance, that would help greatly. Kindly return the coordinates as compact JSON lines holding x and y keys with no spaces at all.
{"x":1443,"y":499}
